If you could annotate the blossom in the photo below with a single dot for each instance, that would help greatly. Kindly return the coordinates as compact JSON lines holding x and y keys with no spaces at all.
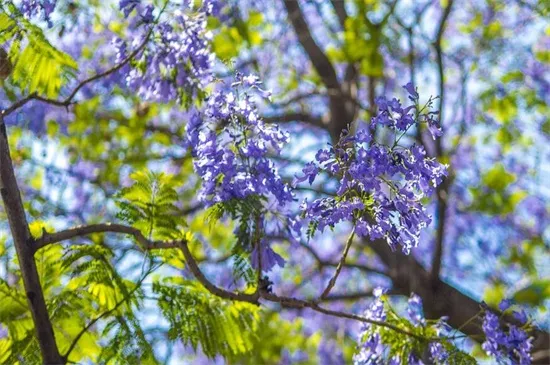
{"x":505,"y":304}
{"x":438,"y":353}
{"x":371,"y":348}
{"x":269,"y":258}
{"x":127,"y":6}
{"x":177,"y":63}
{"x":380,"y":187}
{"x":411,"y":89}
{"x":233,"y":162}
{"x":513,"y":344}
{"x":414,"y":309}
{"x":30,"y":8}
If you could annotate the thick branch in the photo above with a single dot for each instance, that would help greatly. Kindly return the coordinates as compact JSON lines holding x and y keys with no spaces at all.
{"x":49,"y":238}
{"x":295,"y":117}
{"x":409,"y":276}
{"x":443,"y":189}
{"x":340,"y":9}
{"x":22,"y":240}
{"x":318,"y":58}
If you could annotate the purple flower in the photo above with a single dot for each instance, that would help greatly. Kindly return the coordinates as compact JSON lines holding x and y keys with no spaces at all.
{"x":269,"y":258}
{"x":310,"y":171}
{"x":415,"y":310}
{"x":438,"y":353}
{"x":29,"y":8}
{"x":147,"y":14}
{"x":127,"y":6}
{"x":512,"y":345}
{"x":380,"y":187}
{"x":230,"y":163}
{"x":413,"y":94}
{"x":521,"y":316}
{"x":505,"y":304}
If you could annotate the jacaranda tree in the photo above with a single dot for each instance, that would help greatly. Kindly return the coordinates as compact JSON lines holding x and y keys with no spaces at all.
{"x":274,"y":182}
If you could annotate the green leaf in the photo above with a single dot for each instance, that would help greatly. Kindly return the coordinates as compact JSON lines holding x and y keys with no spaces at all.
{"x":197,"y":317}
{"x":534,"y":294}
{"x":498,"y":178}
{"x":38,"y":66}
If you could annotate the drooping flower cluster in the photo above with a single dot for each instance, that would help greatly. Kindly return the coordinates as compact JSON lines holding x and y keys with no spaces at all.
{"x":230,"y":144}
{"x":380,"y":187}
{"x":514,"y":344}
{"x":179,"y":60}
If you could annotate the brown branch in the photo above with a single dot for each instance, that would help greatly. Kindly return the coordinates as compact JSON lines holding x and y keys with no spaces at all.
{"x":23,"y":243}
{"x":347,"y":296}
{"x":295,"y":117}
{"x":213,"y":289}
{"x":69,"y":99}
{"x":50,"y":238}
{"x":332,"y":281}
{"x":340,"y":9}
{"x":299,"y":303}
{"x":408,"y":275}
{"x":318,"y":58}
{"x":444,"y":188}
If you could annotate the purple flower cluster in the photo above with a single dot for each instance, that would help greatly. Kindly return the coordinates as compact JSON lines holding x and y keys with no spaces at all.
{"x":30,"y":8}
{"x":230,"y":143}
{"x":178,"y":62}
{"x":393,"y":115}
{"x":438,"y":353}
{"x":371,"y":350}
{"x":415,"y":311}
{"x":380,"y":187}
{"x":514,"y":344}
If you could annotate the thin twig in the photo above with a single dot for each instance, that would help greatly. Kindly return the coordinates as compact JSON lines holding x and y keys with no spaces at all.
{"x":69,"y":100}
{"x":332,"y":281}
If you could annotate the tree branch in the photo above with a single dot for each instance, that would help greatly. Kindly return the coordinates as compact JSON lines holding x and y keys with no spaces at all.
{"x":23,"y":242}
{"x":295,"y":117}
{"x":195,"y":270}
{"x":408,"y":276}
{"x":332,"y":281}
{"x":340,"y":9}
{"x":49,"y":238}
{"x":318,"y":58}
{"x":69,"y":99}
{"x":444,"y":188}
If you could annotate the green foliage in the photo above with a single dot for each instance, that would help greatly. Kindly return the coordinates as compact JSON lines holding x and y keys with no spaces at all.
{"x":246,"y":213}
{"x":38,"y":66}
{"x":400,"y":345}
{"x":362,"y":45}
{"x":275,"y":335}
{"x":149,"y":205}
{"x":492,"y":196}
{"x":229,"y":40}
{"x":535,"y":294}
{"x":198,"y":318}
{"x":127,"y":343}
